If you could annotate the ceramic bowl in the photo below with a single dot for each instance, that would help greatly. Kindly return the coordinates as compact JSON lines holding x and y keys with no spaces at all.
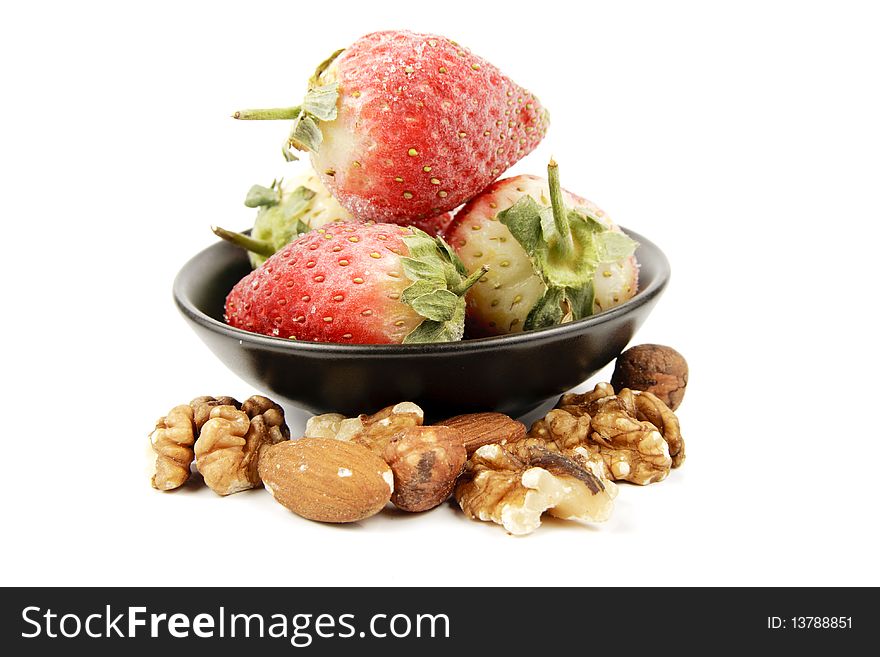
{"x":513,"y":374}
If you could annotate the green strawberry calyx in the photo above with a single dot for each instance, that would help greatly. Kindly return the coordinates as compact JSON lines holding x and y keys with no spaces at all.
{"x":318,"y":105}
{"x":566,"y":247}
{"x":439,"y":283}
{"x":279,"y":220}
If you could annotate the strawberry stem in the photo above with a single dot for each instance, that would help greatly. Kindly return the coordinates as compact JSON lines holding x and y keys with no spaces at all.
{"x":248,"y":243}
{"x":560,"y":214}
{"x":271,"y":114}
{"x":471,"y":280}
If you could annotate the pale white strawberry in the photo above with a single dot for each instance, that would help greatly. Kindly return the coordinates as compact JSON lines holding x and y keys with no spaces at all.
{"x":503,"y":299}
{"x":286,"y":209}
{"x":293,"y":206}
{"x":323,"y":207}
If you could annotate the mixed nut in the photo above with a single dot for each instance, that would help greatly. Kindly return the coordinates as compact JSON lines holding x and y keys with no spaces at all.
{"x":411,"y":236}
{"x":223,"y":436}
{"x":347,"y":469}
{"x":653,"y":368}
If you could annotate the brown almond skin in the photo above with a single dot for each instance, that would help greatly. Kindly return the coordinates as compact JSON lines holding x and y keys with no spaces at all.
{"x":326,"y":480}
{"x":478,"y":429}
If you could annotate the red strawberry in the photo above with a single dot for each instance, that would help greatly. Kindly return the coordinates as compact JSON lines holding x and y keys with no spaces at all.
{"x":433,"y":226}
{"x":357,"y":283}
{"x":289,"y":208}
{"x":537,"y":279}
{"x":404,"y":126}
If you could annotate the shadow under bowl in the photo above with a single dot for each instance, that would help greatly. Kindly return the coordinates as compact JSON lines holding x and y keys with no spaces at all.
{"x":513,"y":374}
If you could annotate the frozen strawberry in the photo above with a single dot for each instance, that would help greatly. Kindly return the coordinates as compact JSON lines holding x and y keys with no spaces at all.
{"x":434,"y":226}
{"x":357,"y":283}
{"x":285,"y":210}
{"x":403,"y":126}
{"x":289,"y":208}
{"x":554,"y":256}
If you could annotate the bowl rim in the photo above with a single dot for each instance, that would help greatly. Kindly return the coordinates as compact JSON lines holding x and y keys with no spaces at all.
{"x":560,"y":331}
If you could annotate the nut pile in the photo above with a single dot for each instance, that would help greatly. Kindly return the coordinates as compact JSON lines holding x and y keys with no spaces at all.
{"x":223,"y":436}
{"x":347,"y":469}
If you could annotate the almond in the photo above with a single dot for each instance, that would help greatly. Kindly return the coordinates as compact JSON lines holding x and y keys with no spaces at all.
{"x":326,"y":480}
{"x":478,"y":429}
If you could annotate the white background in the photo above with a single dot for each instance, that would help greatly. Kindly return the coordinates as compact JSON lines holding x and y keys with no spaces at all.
{"x":744,"y":138}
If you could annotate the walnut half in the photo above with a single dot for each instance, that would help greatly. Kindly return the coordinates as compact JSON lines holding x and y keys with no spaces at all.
{"x":172,"y":440}
{"x":514,"y":484}
{"x":222,"y":435}
{"x":228,"y":449}
{"x":634,"y":433}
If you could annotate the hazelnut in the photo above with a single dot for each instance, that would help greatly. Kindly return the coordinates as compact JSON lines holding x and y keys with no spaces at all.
{"x":426,"y":461}
{"x":652,"y":368}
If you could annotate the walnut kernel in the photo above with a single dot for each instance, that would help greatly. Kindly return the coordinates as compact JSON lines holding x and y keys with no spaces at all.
{"x":634,"y":433}
{"x":229,"y":444}
{"x":514,"y":484}
{"x":172,"y":441}
{"x":202,"y":408}
{"x":244,"y":428}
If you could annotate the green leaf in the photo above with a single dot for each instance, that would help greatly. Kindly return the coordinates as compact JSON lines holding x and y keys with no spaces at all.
{"x":614,"y":246}
{"x":420,"y":288}
{"x":423,"y":269}
{"x":452,"y":256}
{"x":438,"y":305}
{"x":548,"y":227}
{"x":585,"y":214}
{"x":547,"y":311}
{"x":439,"y":283}
{"x":305,"y":134}
{"x":573,"y":267}
{"x":300,"y":227}
{"x":296,"y":205}
{"x":579,"y":301}
{"x":560,"y":265}
{"x":259,"y":196}
{"x":301,"y":193}
{"x":523,"y":220}
{"x":430,"y":331}
{"x":420,"y":244}
{"x":282,"y":222}
{"x":289,"y":155}
{"x":320,"y":102}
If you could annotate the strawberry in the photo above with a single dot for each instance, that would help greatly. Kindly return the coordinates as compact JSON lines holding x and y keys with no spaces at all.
{"x":357,"y":283}
{"x":554,"y":256}
{"x":433,"y":226}
{"x":289,"y":209}
{"x":286,"y":209}
{"x":403,"y":126}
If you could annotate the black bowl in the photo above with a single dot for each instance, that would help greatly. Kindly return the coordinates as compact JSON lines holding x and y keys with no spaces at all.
{"x":512,"y":374}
